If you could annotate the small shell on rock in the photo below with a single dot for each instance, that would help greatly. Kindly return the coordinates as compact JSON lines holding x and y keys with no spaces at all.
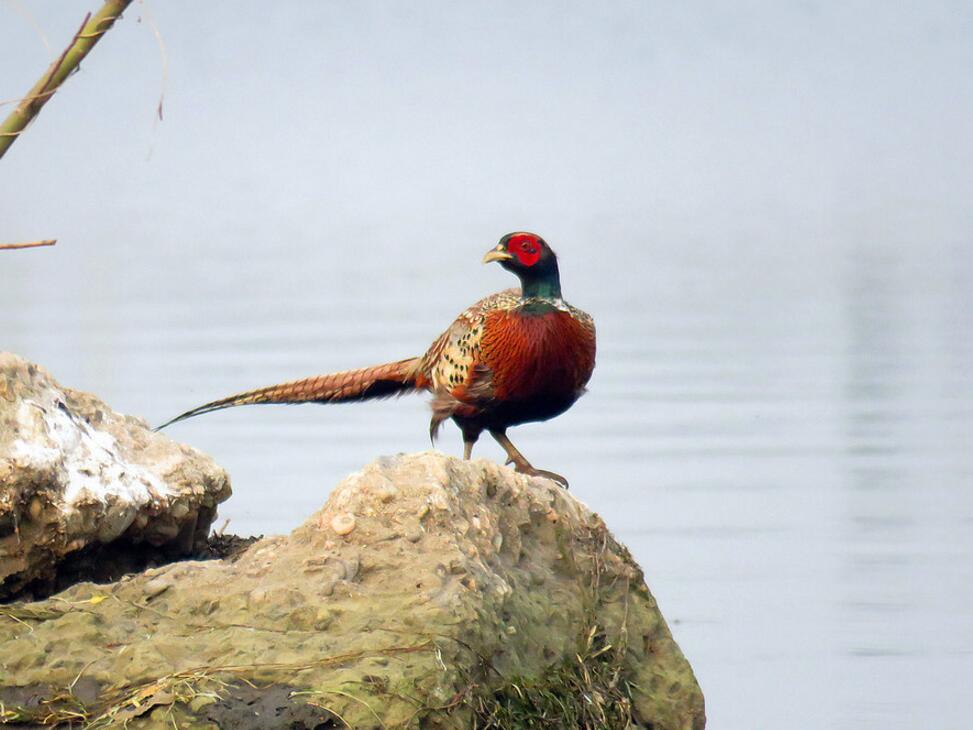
{"x":343,"y":524}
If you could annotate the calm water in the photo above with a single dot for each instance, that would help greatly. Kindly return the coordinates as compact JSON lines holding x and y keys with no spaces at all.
{"x":786,"y":453}
{"x":781,"y":419}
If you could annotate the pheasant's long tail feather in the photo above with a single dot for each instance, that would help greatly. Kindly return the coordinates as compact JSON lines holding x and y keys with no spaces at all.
{"x":378,"y":381}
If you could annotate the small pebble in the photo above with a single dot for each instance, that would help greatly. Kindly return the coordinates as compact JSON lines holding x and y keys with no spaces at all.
{"x":456,"y":567}
{"x":156,"y":586}
{"x":259,"y":595}
{"x":208,"y":607}
{"x":323,"y":619}
{"x":343,"y":524}
{"x":201,"y":701}
{"x":315,"y":565}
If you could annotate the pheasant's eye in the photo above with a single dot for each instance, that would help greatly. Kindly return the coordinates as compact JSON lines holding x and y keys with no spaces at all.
{"x":526,"y":249}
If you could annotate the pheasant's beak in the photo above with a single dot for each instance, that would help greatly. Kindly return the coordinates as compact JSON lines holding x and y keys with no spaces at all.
{"x":499,"y":253}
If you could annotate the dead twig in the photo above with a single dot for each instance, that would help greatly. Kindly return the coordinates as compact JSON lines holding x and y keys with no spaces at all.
{"x":32,"y":244}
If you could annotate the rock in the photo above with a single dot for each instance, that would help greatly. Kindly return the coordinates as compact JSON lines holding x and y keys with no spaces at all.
{"x":74,"y":474}
{"x":514,"y":603}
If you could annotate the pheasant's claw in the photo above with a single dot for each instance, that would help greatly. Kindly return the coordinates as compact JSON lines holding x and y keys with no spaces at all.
{"x":520,"y":462}
{"x":552,"y":476}
{"x":524,"y":467}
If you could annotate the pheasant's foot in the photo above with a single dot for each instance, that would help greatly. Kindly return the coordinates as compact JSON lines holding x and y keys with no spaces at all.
{"x":524,"y":467}
{"x":520,"y":462}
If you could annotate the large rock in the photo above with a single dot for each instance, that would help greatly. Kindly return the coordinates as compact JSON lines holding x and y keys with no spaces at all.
{"x":73,"y":473}
{"x":428,"y":592}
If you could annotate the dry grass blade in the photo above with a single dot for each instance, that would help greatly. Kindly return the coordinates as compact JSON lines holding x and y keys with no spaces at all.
{"x":123,"y":703}
{"x":346,"y":695}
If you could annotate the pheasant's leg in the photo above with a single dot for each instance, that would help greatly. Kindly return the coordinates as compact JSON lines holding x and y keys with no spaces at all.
{"x":471,"y":432}
{"x":520,"y":461}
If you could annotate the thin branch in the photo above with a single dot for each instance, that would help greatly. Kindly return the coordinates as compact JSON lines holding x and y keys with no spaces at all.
{"x":33,"y":244}
{"x":91,"y":31}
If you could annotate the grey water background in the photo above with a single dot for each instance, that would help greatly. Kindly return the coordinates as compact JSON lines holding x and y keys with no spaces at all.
{"x":765,"y":206}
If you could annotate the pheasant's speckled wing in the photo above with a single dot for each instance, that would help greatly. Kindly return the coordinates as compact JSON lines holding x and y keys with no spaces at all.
{"x":453,"y":367}
{"x":451,"y":362}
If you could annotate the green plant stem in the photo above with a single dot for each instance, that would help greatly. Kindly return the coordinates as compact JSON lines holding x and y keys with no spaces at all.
{"x":91,"y":31}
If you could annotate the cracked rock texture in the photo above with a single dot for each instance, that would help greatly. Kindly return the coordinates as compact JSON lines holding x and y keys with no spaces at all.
{"x":426,"y":593}
{"x":74,"y":473}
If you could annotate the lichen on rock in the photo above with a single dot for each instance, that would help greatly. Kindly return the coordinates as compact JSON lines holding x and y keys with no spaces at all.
{"x":74,"y":473}
{"x":428,"y":592}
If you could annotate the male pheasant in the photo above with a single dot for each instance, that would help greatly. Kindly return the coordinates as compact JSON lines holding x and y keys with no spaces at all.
{"x":514,"y":357}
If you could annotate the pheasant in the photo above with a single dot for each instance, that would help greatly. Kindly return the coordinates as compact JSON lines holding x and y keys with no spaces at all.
{"x":515,"y":357}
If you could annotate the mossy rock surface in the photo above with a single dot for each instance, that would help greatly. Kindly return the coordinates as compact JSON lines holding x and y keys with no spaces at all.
{"x":428,"y":592}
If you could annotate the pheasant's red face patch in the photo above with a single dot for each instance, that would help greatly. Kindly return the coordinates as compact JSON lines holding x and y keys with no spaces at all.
{"x":526,"y":248}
